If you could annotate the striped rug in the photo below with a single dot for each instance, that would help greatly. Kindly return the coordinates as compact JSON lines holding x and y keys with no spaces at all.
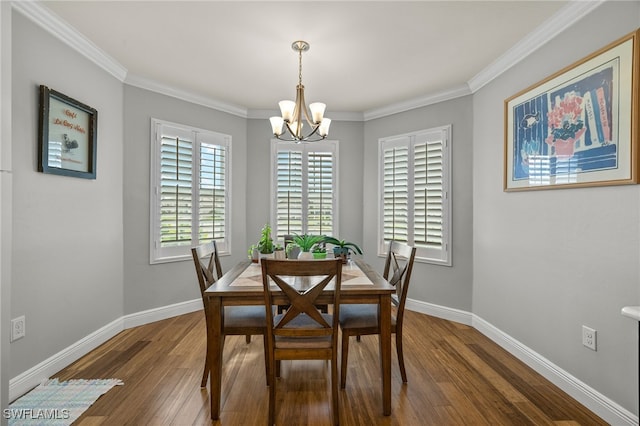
{"x":55,"y":403}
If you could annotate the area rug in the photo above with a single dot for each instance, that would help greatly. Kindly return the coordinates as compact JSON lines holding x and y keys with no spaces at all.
{"x":55,"y":403}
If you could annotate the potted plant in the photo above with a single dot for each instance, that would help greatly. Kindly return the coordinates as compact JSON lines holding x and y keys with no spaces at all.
{"x":306,"y":243}
{"x":292,"y":251}
{"x":254,"y":253}
{"x":342,"y":248}
{"x":278,"y":251}
{"x":265,"y":244}
{"x":319,"y":251}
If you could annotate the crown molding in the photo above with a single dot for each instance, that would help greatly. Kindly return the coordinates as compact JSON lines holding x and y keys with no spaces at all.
{"x":414,"y":103}
{"x":154,"y":86}
{"x":52,"y":23}
{"x":563,"y":19}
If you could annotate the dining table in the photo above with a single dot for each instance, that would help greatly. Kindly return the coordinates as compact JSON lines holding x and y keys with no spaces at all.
{"x":242,"y":285}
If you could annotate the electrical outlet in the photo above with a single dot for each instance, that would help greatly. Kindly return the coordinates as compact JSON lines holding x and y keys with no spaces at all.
{"x":18,"y":330}
{"x":589,"y":337}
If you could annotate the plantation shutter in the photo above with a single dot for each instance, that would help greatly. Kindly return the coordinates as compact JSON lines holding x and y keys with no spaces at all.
{"x":320,"y":193}
{"x":289,"y":192}
{"x":212,"y":197}
{"x":396,"y":191}
{"x":189,"y":199}
{"x":176,"y":159}
{"x":415,"y":205}
{"x":304,"y":188}
{"x":428,"y":194}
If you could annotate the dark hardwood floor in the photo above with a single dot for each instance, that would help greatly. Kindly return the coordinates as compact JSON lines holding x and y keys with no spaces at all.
{"x":456,"y":375}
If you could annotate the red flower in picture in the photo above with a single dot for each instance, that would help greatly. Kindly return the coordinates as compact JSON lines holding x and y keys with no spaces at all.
{"x":565,"y":124}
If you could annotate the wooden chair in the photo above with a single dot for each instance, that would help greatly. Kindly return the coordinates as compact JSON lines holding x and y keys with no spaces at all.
{"x":238,"y":320}
{"x":302,"y":332}
{"x":358,"y":320}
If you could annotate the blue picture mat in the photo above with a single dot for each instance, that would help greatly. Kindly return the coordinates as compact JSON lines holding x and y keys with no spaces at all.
{"x":543,"y":148}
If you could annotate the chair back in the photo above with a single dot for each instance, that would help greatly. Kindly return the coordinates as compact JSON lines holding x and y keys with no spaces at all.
{"x":207,"y":263}
{"x":302,"y":281}
{"x":397,"y":271}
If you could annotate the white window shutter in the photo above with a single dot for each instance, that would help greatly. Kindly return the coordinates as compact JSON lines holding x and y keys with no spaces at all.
{"x":414,"y":184}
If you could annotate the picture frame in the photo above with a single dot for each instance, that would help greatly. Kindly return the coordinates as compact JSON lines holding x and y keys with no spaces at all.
{"x":579,"y":126}
{"x":67,"y":140}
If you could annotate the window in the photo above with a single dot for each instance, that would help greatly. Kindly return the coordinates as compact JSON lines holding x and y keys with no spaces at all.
{"x":304,"y":182}
{"x":189,"y":190}
{"x":415,"y":201}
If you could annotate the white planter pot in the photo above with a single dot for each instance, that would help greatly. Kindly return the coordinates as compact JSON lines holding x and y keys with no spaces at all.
{"x":305,"y":255}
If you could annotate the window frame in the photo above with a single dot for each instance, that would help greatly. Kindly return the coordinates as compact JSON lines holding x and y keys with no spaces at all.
{"x":327,"y":145}
{"x":180,"y":252}
{"x":443,"y":255}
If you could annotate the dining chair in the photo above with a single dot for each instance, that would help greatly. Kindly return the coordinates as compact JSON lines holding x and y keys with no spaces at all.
{"x":302,"y":331}
{"x":238,"y":320}
{"x":359,"y":320}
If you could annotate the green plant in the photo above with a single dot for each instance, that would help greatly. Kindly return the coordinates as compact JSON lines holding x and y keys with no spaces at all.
{"x":319,"y":248}
{"x":306,"y":242}
{"x":265,"y":244}
{"x":250,"y":251}
{"x":290,"y":247}
{"x":342,"y":245}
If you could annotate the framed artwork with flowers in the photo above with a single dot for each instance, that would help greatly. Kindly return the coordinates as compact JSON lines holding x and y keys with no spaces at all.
{"x":578,"y":127}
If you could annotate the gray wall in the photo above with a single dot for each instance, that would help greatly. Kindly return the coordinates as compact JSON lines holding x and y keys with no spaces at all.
{"x":537,"y":265}
{"x":67,"y":232}
{"x":350,"y":165}
{"x":547,"y":262}
{"x":440,"y":285}
{"x":151,"y":286}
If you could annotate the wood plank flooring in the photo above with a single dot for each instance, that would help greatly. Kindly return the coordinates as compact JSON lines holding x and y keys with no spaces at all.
{"x":456,"y":375}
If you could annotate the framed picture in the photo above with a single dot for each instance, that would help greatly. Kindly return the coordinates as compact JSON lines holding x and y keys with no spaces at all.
{"x":67,"y":136}
{"x":578,"y":127}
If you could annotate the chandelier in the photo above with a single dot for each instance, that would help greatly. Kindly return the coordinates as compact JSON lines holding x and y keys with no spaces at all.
{"x":292,"y":112}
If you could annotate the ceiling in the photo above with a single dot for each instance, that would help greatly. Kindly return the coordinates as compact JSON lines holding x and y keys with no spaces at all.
{"x":363,"y":56}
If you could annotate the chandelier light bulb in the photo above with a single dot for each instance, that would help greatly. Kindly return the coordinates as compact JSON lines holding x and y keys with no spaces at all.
{"x":277,"y":124}
{"x":317,"y":111}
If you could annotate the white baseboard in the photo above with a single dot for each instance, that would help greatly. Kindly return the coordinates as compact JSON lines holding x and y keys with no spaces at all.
{"x":31,"y":378}
{"x":449,"y":314}
{"x":589,"y":397}
{"x":604,"y":407}
{"x":157,"y":314}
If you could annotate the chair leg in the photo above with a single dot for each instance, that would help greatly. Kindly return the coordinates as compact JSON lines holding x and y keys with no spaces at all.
{"x":334,"y":389}
{"x":358,"y":337}
{"x":267,"y":364}
{"x":205,"y":374}
{"x":272,"y":394}
{"x":247,"y":338}
{"x":403,"y":372}
{"x":343,"y":359}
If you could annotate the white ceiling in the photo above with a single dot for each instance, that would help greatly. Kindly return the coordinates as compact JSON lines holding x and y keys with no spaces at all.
{"x":363,"y":56}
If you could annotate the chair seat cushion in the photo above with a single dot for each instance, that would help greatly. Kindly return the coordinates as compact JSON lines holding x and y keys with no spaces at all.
{"x":245,"y":316}
{"x":300,"y":322}
{"x":360,"y":316}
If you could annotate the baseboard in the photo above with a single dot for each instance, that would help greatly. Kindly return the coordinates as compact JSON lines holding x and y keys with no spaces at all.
{"x":157,"y":314}
{"x":449,"y":314}
{"x":31,"y":378}
{"x":604,"y":407}
{"x":589,"y":397}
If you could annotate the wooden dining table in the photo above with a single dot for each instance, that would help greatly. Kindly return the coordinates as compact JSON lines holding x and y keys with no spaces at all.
{"x":242,"y":285}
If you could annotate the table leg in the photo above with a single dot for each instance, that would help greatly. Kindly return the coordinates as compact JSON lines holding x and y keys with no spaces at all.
{"x":385,"y":351}
{"x":214,"y":334}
